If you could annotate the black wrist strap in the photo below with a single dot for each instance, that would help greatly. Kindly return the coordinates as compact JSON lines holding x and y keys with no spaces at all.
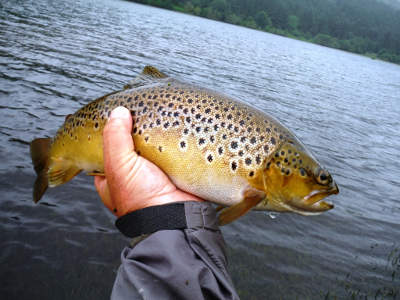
{"x":151,"y":219}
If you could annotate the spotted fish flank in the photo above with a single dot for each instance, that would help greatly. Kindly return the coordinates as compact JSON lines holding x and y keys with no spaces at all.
{"x":208,"y":144}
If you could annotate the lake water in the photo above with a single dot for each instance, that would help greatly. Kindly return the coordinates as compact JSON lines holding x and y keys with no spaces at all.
{"x":56,"y":56}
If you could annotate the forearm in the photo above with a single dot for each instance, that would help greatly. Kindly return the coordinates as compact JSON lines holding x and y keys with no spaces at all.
{"x":187,"y":263}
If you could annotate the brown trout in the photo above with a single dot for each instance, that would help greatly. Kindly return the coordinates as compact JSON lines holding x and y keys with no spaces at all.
{"x":209,"y":144}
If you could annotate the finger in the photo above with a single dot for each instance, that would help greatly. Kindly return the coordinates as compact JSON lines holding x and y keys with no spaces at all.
{"x":102,"y":189}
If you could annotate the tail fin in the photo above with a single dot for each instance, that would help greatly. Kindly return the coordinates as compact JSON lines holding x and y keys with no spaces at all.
{"x":40,"y":158}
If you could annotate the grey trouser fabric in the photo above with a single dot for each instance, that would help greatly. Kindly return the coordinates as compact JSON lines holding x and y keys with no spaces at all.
{"x":178,"y":264}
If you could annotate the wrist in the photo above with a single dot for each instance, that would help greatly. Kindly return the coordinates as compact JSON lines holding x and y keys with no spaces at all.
{"x":157,"y":200}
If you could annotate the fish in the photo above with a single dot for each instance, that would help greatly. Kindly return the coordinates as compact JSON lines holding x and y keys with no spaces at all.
{"x":209,"y":144}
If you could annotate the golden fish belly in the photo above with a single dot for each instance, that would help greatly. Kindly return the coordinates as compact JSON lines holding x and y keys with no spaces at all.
{"x":197,"y":171}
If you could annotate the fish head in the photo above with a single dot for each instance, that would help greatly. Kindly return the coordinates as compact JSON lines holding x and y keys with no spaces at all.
{"x":294,"y":181}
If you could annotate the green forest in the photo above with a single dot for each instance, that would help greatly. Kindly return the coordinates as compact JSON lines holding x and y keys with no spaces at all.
{"x":368,"y":27}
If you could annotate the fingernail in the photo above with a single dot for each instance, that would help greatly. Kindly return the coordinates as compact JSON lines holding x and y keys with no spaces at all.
{"x":120,"y":112}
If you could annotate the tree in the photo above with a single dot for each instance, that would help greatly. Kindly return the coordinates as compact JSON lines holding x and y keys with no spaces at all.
{"x":262,"y":19}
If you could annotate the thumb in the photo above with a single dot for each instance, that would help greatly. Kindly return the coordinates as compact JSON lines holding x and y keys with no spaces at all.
{"x":117,"y":137}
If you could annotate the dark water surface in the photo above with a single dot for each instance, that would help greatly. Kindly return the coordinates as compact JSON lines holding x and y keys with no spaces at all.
{"x":57,"y":56}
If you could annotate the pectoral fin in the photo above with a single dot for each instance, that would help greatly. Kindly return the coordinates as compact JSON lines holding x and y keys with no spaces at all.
{"x":251,"y":197}
{"x":61,"y":171}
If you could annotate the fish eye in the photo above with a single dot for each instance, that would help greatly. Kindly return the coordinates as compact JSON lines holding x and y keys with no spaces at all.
{"x":323,"y":177}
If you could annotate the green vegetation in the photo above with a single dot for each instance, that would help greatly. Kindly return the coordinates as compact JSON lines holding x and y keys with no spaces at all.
{"x":368,"y":27}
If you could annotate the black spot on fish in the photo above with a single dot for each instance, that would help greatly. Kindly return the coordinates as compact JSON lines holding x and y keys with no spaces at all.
{"x":176,"y":114}
{"x":273,"y":141}
{"x":186,"y":131}
{"x":207,"y":111}
{"x":141,"y":103}
{"x":210,"y":158}
{"x":224,"y":136}
{"x":234,"y":145}
{"x":190,"y":100}
{"x":176,"y":123}
{"x":220,"y":150}
{"x":243,"y":139}
{"x":248,"y":161}
{"x":158,"y":122}
{"x":185,"y":110}
{"x":241,"y":153}
{"x":282,"y":153}
{"x":217,"y":116}
{"x":233,"y":166}
{"x":187,"y":119}
{"x":251,"y":173}
{"x":198,"y":129}
{"x":146,"y":139}
{"x":216,"y":127}
{"x":182,"y":144}
{"x":170,"y":104}
{"x":166,"y":125}
{"x":160,"y":148}
{"x":201,"y":141}
{"x":198,"y":116}
{"x":241,"y":123}
{"x":229,"y":117}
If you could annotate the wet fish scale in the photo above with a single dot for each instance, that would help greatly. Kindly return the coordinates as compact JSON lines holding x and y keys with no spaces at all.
{"x":209,"y":144}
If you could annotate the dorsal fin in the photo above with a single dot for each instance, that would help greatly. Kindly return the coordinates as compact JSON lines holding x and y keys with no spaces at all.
{"x":148,"y":76}
{"x":153,"y":72}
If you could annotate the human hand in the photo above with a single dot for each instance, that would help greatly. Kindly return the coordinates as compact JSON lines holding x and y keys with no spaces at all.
{"x":131,"y":182}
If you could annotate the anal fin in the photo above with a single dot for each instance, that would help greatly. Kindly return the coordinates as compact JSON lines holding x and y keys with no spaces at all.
{"x":251,"y":197}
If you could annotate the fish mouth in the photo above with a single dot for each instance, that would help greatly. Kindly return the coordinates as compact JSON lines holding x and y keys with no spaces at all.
{"x":312,"y":204}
